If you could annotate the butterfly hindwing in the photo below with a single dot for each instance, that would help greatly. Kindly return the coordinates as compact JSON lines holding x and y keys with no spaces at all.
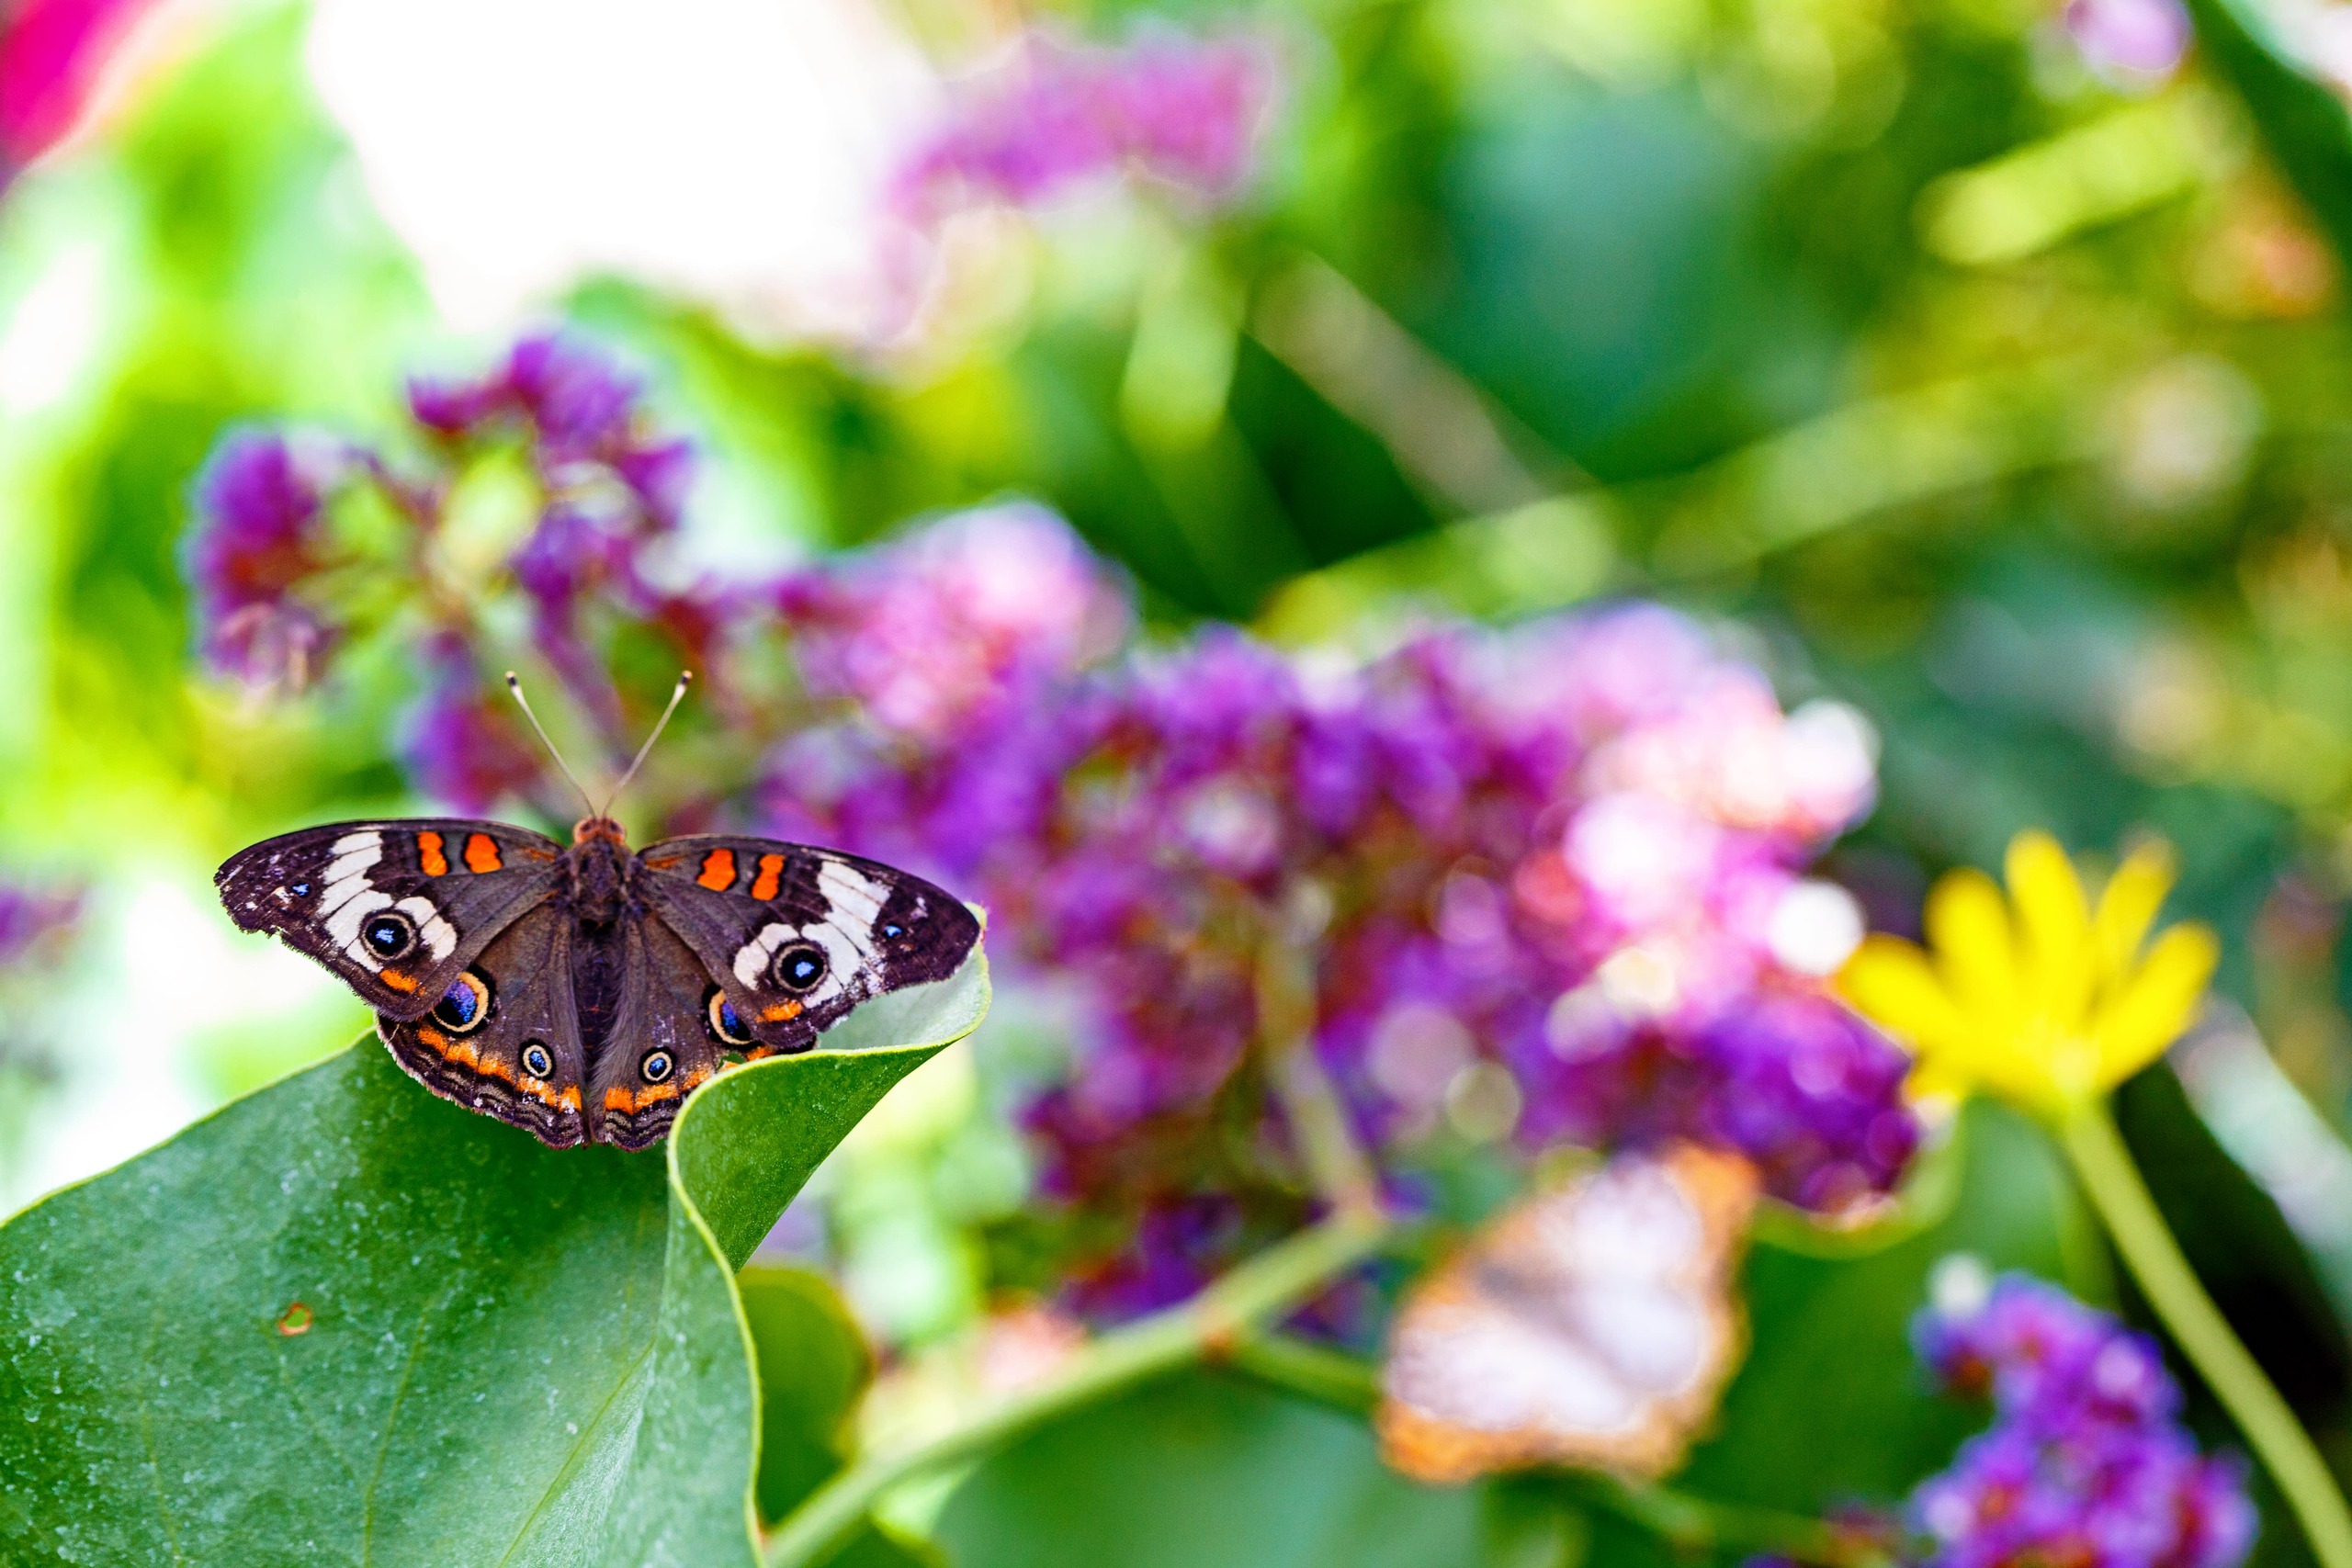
{"x":506,"y":1038}
{"x":397,"y":910}
{"x":794,"y":937}
{"x":670,"y":1033}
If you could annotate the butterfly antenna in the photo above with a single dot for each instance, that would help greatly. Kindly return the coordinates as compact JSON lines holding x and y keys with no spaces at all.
{"x":685,"y":679}
{"x":515,"y":687}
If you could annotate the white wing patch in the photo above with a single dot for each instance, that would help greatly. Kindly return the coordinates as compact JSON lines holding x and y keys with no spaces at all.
{"x":853,"y":904}
{"x":346,"y":899}
{"x":440,"y":938}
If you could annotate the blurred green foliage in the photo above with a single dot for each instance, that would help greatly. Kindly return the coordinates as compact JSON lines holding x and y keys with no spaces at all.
{"x":2007,"y":403}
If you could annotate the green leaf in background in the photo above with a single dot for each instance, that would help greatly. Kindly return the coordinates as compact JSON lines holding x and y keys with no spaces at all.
{"x":1204,"y":1470}
{"x":344,"y":1320}
{"x":813,"y":1365}
{"x":2302,"y":120}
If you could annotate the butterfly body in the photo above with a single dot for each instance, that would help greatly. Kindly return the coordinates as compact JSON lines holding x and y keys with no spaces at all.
{"x":582,"y":992}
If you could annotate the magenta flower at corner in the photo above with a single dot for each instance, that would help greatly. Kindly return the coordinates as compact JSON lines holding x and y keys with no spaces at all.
{"x":2086,"y":1460}
{"x":1057,"y":118}
{"x":1544,"y":883}
{"x":52,"y":54}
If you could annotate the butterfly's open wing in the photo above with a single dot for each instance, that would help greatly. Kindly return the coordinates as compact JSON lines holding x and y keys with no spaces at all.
{"x":397,"y":909}
{"x":795,"y":937}
{"x":672,"y":1029}
{"x":504,"y":1039}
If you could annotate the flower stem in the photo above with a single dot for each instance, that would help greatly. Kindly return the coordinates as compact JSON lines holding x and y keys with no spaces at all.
{"x":1277,"y":1278}
{"x":1681,"y":1519}
{"x":2117,"y":1191}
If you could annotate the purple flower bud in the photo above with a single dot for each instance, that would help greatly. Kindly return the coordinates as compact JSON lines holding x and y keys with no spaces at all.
{"x":461,"y":743}
{"x":2134,"y":40}
{"x":259,"y":537}
{"x":33,"y":921}
{"x":2086,"y":1460}
{"x":1179,"y":111}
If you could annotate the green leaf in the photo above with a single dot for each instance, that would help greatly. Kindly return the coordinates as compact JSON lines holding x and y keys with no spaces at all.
{"x":2301,"y":119}
{"x":813,"y":1364}
{"x":1204,"y":1470}
{"x":502,"y":1353}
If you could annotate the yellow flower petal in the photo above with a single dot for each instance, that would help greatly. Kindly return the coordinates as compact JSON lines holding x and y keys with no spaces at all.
{"x":2128,"y":905}
{"x":1890,"y":982}
{"x":2053,"y":929}
{"x":2157,"y":1004}
{"x":1968,"y":926}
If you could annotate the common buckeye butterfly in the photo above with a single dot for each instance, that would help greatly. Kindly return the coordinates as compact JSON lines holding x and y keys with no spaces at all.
{"x":581,"y":993}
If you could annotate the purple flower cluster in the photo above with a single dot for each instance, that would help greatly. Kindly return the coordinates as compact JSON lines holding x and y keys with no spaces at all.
{"x":33,"y":921}
{"x":1061,"y":118}
{"x":1534,"y":883}
{"x":264,"y":543}
{"x":280,"y":586}
{"x":2086,"y":1462}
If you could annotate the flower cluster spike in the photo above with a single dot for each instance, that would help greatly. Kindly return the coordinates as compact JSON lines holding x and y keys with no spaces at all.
{"x":1540,"y":884}
{"x":2086,"y":1462}
{"x":285,"y":579}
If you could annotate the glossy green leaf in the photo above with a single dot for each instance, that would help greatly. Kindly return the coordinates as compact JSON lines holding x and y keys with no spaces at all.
{"x":813,"y":1364}
{"x":1204,"y":1471}
{"x":2302,"y":120}
{"x":342,"y":1321}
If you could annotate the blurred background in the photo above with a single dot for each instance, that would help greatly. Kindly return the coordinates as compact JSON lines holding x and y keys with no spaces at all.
{"x":1978,"y":364}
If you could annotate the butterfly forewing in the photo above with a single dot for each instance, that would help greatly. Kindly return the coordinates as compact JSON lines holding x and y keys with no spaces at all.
{"x":399,"y":909}
{"x":794,"y":937}
{"x":505,"y":1041}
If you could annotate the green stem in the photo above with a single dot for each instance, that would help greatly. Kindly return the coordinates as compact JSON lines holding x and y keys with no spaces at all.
{"x":2104,"y":1165}
{"x":1278,"y":1277}
{"x":1702,"y":1524}
{"x":1698,"y":1523}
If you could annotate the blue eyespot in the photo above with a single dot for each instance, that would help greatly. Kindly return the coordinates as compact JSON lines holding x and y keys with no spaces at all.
{"x":389,"y":934}
{"x":893,"y":929}
{"x":536,"y":1060}
{"x":725,"y":1022}
{"x":797,"y":966}
{"x":656,"y":1066}
{"x":301,"y":890}
{"x":464,"y":1006}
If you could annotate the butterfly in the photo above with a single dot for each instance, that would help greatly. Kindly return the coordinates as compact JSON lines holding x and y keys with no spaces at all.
{"x":1590,"y":1324}
{"x":582,"y":992}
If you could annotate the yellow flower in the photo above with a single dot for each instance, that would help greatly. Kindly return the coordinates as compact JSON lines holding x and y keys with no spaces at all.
{"x":2037,"y":997}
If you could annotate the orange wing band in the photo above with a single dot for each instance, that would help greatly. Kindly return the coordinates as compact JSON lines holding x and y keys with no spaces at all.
{"x":428,"y":852}
{"x":481,"y":852}
{"x":718,"y":870}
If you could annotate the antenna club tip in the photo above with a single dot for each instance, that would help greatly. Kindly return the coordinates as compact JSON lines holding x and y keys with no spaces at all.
{"x":512,"y":680}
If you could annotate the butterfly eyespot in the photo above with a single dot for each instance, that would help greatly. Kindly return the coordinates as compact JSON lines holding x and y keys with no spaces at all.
{"x":797,"y":966}
{"x":725,"y":1022}
{"x":656,"y":1066}
{"x":300,"y":890}
{"x":465,"y":1006}
{"x":894,"y":930}
{"x":536,"y":1060}
{"x":389,"y":934}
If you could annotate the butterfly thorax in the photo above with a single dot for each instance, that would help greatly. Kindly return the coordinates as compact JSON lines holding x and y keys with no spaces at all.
{"x":599,"y":866}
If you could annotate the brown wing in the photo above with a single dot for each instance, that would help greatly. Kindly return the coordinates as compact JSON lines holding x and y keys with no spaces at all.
{"x":503,"y":1036}
{"x":672,"y":1029}
{"x":396,"y":908}
{"x":795,"y":937}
